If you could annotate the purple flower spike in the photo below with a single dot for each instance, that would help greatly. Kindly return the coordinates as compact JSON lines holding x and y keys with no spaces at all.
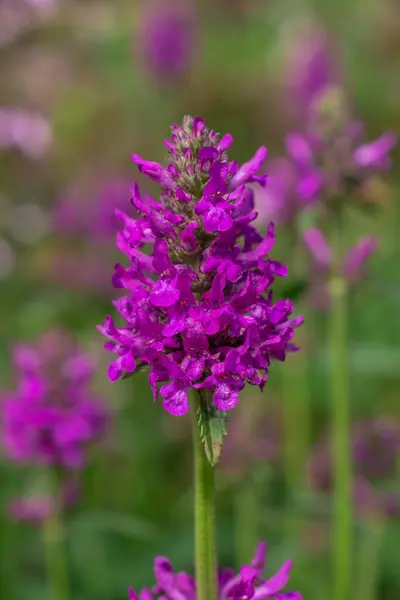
{"x":166,"y":38}
{"x":247,"y":584}
{"x":206,"y":319}
{"x":375,"y":449}
{"x":330,"y":156}
{"x":52,"y":416}
{"x":311,"y":67}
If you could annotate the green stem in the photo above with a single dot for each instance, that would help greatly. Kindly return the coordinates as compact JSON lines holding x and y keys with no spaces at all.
{"x":204,"y":515}
{"x":56,"y":564}
{"x":342,"y":508}
{"x":372,"y":534}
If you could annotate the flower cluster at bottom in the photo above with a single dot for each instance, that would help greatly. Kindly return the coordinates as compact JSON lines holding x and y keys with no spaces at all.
{"x":248,"y":583}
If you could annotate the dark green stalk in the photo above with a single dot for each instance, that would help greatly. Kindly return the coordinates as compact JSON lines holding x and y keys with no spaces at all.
{"x":204,"y":516}
{"x":54,"y":545}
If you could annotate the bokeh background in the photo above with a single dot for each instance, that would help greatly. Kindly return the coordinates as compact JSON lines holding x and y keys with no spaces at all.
{"x":84,"y":84}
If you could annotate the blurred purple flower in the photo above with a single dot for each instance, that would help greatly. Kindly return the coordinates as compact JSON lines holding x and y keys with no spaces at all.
{"x":329,"y":166}
{"x":310,"y":67}
{"x":166,"y":37}
{"x":27,"y":131}
{"x":91,"y":213}
{"x":248,"y":583}
{"x":352,"y":268}
{"x":38,"y":508}
{"x":199,"y":311}
{"x":84,"y":222}
{"x":330,"y":154}
{"x":52,"y":416}
{"x":375,"y":447}
{"x":279,"y":201}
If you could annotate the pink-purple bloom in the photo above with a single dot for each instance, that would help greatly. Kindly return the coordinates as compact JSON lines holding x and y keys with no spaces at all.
{"x":330,"y":164}
{"x":24,"y":130}
{"x":86,"y":213}
{"x":352,"y":268}
{"x":247,"y":584}
{"x":166,"y":38}
{"x":52,"y":416}
{"x":37,"y":508}
{"x":375,"y":450}
{"x":329,"y":153}
{"x":311,"y":68}
{"x":198,"y":305}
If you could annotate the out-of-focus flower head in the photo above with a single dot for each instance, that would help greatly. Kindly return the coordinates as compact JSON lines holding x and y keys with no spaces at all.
{"x":84,"y":222}
{"x":26,"y":131}
{"x":329,"y":151}
{"x":279,"y":201}
{"x":352,"y":268}
{"x":375,"y":447}
{"x":51,"y":417}
{"x":90,"y":213}
{"x":166,"y":38}
{"x":248,"y":583}
{"x":199,"y":309}
{"x":311,"y":67}
{"x":331,"y":157}
{"x":35,"y":509}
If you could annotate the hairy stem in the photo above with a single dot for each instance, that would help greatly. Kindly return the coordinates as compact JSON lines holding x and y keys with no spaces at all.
{"x":204,"y":515}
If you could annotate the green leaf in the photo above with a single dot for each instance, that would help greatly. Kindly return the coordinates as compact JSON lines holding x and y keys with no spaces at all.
{"x":212,"y":423}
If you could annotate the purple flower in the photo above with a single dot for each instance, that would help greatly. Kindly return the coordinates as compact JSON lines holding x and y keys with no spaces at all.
{"x":329,"y":153}
{"x":52,"y":416}
{"x":248,"y":583}
{"x":87,"y":212}
{"x":279,"y":200}
{"x":331,"y":156}
{"x":311,"y":67}
{"x":37,"y":508}
{"x":26,"y":131}
{"x":82,"y":211}
{"x":375,"y":447}
{"x":352,"y":268}
{"x":166,"y":38}
{"x":200,"y":312}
